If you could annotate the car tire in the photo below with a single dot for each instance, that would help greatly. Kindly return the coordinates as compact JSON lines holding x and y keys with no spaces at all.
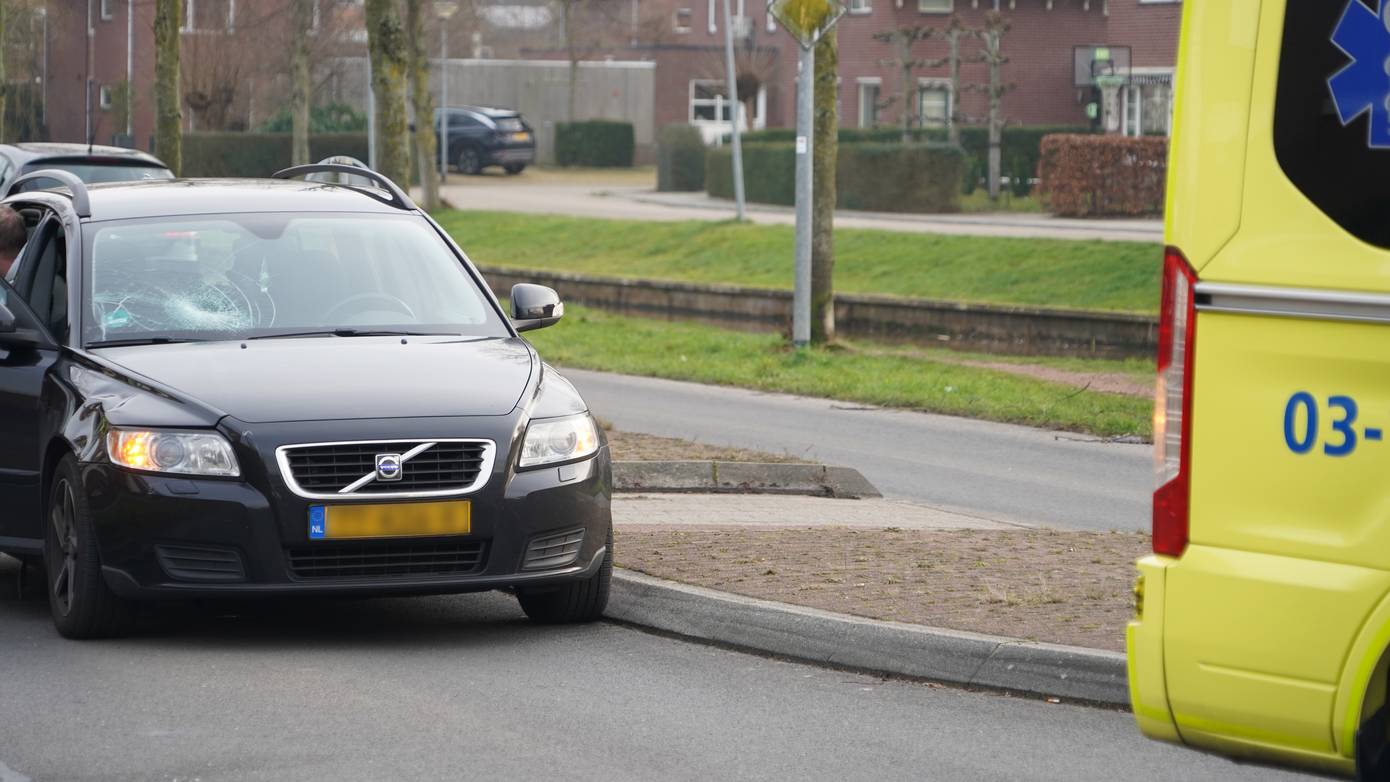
{"x":515,"y":170}
{"x":469,"y":162}
{"x":82,"y":604}
{"x":578,"y":602}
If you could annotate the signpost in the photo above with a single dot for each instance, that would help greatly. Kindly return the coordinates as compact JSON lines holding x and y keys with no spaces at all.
{"x":807,"y":21}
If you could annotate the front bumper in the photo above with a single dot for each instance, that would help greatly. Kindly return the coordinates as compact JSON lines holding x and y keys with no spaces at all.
{"x":258,"y":522}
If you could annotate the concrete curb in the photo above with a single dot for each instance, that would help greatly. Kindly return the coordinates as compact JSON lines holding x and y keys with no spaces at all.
{"x":816,"y":480}
{"x":969,"y":659}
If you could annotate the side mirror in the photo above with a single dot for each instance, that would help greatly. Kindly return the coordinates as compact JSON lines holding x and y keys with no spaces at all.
{"x":535,"y":307}
{"x":14,"y":338}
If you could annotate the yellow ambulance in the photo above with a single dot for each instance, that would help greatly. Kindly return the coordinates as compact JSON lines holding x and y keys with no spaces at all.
{"x":1263,"y":626}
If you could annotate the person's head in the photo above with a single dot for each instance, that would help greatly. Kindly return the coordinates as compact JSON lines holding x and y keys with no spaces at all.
{"x":12,"y":238}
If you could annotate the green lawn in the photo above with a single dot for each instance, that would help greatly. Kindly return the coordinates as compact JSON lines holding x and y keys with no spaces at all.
{"x":1098,"y":275}
{"x":592,"y":339}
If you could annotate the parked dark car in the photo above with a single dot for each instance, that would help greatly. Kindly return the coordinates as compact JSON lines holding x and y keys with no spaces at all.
{"x":253,"y":388}
{"x":90,"y":164}
{"x":482,"y":137}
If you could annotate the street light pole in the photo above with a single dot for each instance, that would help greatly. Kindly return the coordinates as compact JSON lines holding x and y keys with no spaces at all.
{"x":445,"y":10}
{"x":734,"y":109}
{"x":805,"y":189}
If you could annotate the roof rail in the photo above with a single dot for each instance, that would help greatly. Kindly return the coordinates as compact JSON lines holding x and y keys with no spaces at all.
{"x":80,"y":202}
{"x":398,"y":197}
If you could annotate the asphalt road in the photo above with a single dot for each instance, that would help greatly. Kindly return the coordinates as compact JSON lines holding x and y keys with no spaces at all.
{"x":998,"y":471}
{"x":463,"y":688}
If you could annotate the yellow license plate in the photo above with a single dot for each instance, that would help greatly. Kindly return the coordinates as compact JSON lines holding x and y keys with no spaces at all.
{"x":521,"y":137}
{"x":416,"y":520}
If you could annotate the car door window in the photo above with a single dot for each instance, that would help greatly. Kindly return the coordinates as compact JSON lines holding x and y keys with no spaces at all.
{"x":42,"y":277}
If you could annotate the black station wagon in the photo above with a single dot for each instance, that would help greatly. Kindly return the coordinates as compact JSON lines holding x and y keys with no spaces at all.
{"x":270,"y":387}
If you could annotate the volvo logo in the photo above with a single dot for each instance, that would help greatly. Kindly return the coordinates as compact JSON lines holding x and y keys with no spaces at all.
{"x":390,"y":467}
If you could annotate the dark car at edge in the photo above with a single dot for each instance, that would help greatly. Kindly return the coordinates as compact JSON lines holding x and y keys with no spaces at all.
{"x":252,"y":388}
{"x":480,"y":137}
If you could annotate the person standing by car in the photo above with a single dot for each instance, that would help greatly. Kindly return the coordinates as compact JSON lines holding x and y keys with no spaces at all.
{"x":12,"y":238}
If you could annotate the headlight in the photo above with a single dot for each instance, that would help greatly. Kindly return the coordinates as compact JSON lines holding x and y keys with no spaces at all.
{"x":179,"y":453}
{"x":559,"y":440}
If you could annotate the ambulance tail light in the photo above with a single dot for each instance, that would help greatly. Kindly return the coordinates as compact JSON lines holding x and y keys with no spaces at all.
{"x":1173,"y":406}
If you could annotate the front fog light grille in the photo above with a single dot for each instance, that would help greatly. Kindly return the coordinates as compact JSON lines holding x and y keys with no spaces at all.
{"x":554,"y":551}
{"x":387,"y":560}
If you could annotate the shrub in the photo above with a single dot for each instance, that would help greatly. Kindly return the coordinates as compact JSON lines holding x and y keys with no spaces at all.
{"x":597,"y":143}
{"x":333,"y":118}
{"x":917,"y":178}
{"x":259,"y":154}
{"x":680,"y":159}
{"x":1019,"y":148}
{"x":1091,"y":176}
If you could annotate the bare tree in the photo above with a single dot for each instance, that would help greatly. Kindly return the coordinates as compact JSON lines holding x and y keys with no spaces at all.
{"x":996,"y":27}
{"x":302,"y":83}
{"x":168,"y":130}
{"x":903,"y":40}
{"x":387,"y":47}
{"x":826,"y":147}
{"x":423,"y":104}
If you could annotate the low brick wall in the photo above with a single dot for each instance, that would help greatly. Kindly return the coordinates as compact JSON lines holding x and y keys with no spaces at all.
{"x":989,"y":328}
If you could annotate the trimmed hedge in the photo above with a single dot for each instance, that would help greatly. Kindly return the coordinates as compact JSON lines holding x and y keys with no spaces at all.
{"x":259,"y":154}
{"x":1094,"y":176}
{"x":680,"y":159}
{"x":597,"y":143}
{"x":1019,"y":150}
{"x":879,"y":177}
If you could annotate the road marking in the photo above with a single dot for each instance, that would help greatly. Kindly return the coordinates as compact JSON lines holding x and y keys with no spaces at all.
{"x":8,"y":774}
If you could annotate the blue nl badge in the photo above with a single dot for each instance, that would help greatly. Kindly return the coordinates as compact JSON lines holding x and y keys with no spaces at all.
{"x":1363,"y":86}
{"x":318,"y":523}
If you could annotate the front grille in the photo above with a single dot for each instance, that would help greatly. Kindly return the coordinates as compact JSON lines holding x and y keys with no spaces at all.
{"x":387,"y":560}
{"x":328,"y":469}
{"x":553,"y":551}
{"x":201,"y":563}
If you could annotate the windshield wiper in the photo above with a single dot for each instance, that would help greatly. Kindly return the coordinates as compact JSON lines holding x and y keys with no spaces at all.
{"x":135,"y":342}
{"x":354,"y":333}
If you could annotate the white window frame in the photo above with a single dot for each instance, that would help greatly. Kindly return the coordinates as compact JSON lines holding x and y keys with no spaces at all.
{"x":104,"y":97}
{"x":861,"y":7}
{"x":713,"y":17}
{"x":720,"y":106}
{"x":939,"y":85}
{"x":683,"y":29}
{"x":190,"y":8}
{"x":1132,"y":97}
{"x":106,"y":14}
{"x":936,"y":6}
{"x":877,"y":84}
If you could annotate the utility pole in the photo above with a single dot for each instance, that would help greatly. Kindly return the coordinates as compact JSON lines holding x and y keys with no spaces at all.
{"x":444,"y":10}
{"x":734,"y":110}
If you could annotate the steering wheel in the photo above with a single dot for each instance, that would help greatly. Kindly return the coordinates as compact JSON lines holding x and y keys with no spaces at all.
{"x":390,"y":303}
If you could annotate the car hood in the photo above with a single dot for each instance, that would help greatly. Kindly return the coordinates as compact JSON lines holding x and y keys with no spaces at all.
{"x":332,"y":378}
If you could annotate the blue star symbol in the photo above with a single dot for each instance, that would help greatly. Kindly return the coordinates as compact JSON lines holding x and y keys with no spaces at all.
{"x":1364,"y":84}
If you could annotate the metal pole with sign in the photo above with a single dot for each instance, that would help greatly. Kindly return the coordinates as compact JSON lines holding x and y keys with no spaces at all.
{"x":735,"y":136}
{"x":807,"y":21}
{"x":444,"y":10}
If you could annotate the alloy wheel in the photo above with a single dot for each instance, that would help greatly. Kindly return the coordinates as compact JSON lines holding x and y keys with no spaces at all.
{"x":63,"y":572}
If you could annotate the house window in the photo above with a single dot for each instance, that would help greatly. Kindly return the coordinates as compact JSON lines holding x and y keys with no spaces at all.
{"x":106,"y":10}
{"x":861,"y":6}
{"x":713,"y":17}
{"x":936,"y":6}
{"x":869,"y":102}
{"x":709,"y":101}
{"x":209,"y":15}
{"x":934,"y":104}
{"x":684,"y":19}
{"x":1147,"y":103}
{"x":104,"y":97}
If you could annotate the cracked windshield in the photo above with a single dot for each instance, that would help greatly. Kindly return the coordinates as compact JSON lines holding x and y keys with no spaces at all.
{"x":631,"y":390}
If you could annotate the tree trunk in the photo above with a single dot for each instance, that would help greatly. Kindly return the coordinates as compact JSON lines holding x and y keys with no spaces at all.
{"x":387,"y":45}
{"x":423,"y":103}
{"x":907,"y":64}
{"x":301,"y":84}
{"x":3,"y":88}
{"x":996,"y":117}
{"x":826,"y":149}
{"x":953,"y":121}
{"x":572,"y":49}
{"x":168,"y":127}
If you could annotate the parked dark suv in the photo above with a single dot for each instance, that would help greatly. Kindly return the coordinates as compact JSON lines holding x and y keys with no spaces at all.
{"x":90,"y":164}
{"x":268,"y":387}
{"x":482,"y":137}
